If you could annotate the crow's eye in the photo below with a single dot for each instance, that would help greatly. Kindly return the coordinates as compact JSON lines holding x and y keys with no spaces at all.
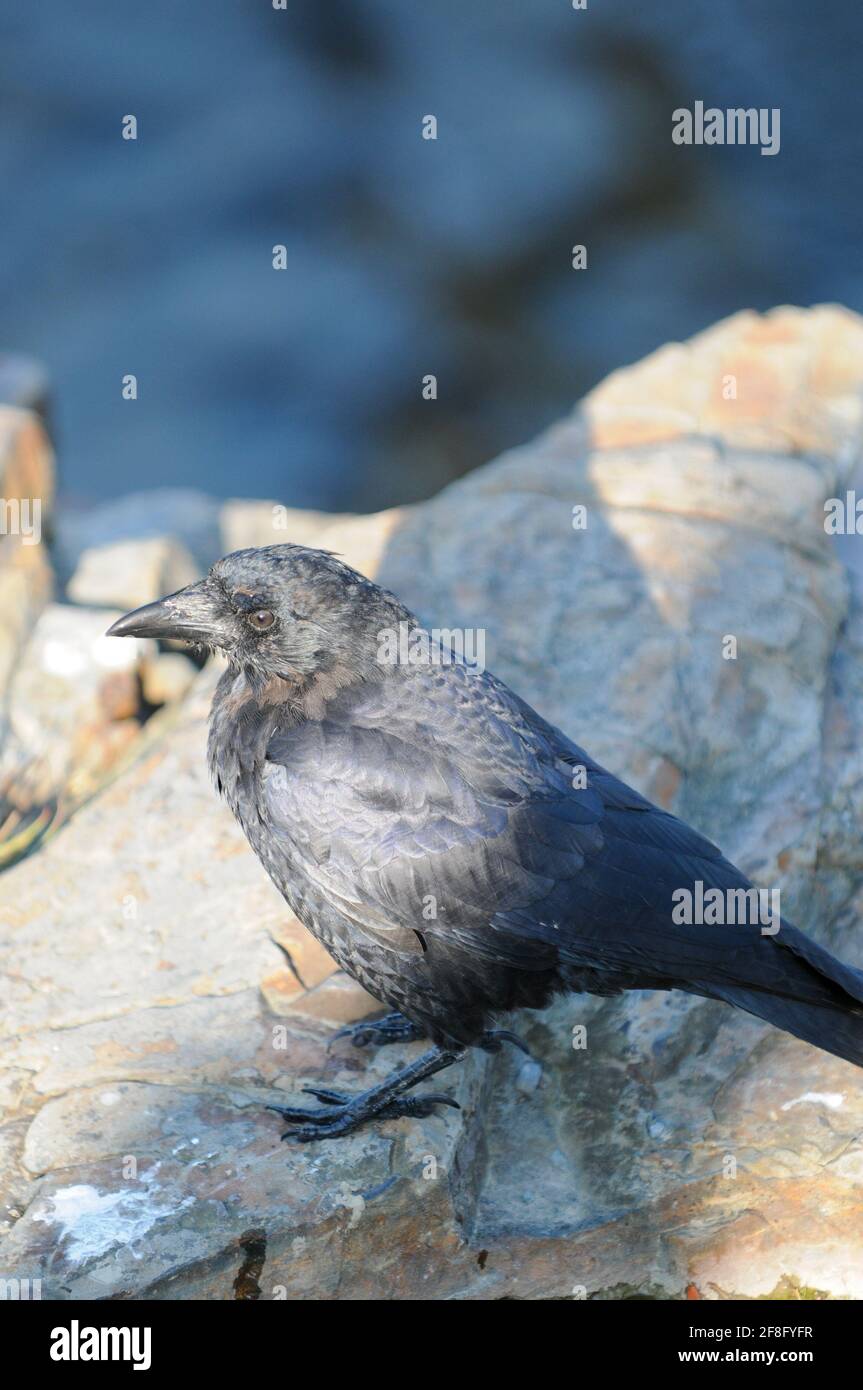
{"x":261,"y":619}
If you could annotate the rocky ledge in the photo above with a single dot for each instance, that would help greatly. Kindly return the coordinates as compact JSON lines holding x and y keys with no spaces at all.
{"x":148,"y":1010}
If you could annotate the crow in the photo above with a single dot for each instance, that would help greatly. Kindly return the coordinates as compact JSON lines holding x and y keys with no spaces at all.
{"x":455,"y":853}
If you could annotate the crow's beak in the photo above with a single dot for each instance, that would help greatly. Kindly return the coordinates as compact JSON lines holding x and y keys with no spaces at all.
{"x":190,"y":615}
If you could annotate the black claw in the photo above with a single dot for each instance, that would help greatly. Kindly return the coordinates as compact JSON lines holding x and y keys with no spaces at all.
{"x":491,"y":1042}
{"x":354,"y":1031}
{"x":439,"y":1098}
{"x":298,"y":1116}
{"x":328,"y":1097}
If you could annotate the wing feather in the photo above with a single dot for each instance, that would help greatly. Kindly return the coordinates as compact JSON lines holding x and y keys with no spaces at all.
{"x":473,"y":811}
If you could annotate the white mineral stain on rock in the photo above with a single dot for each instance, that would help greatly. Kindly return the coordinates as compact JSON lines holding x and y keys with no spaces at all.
{"x":832,"y":1099}
{"x":343,"y":1196}
{"x":96,"y":1222}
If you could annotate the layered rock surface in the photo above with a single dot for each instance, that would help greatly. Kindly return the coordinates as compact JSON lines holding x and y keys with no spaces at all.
{"x":149,"y":1014}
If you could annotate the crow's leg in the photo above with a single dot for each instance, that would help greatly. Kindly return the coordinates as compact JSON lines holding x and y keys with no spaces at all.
{"x":390,"y":1028}
{"x":341,"y":1113}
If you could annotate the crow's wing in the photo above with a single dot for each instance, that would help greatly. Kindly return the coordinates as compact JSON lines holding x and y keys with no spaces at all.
{"x":439,"y":807}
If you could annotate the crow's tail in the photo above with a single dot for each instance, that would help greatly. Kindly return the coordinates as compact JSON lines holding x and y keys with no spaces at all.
{"x":809,"y":993}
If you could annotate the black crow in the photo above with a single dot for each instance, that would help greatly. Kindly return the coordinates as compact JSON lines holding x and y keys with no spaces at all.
{"x":455,"y":853}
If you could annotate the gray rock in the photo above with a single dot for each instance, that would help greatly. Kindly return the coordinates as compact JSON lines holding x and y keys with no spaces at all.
{"x":127,"y":574}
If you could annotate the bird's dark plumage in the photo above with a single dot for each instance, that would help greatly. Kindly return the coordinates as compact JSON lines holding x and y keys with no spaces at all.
{"x":453,"y":851}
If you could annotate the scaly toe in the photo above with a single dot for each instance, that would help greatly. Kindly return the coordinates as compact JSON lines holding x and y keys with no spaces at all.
{"x":295,"y":1115}
{"x":417,"y":1106}
{"x":307,"y":1134}
{"x":327,"y":1096}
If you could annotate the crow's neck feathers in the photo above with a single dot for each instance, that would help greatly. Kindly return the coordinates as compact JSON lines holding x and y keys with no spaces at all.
{"x":249,"y":706}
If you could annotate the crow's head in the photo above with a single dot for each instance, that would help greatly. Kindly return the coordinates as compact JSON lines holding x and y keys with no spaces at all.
{"x":281,"y":610}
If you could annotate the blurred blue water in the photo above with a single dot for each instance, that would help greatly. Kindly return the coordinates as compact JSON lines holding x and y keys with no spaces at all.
{"x":405,"y":257}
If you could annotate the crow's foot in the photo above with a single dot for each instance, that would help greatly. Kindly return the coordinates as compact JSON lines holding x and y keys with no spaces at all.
{"x":341,"y":1113}
{"x":391,"y":1028}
